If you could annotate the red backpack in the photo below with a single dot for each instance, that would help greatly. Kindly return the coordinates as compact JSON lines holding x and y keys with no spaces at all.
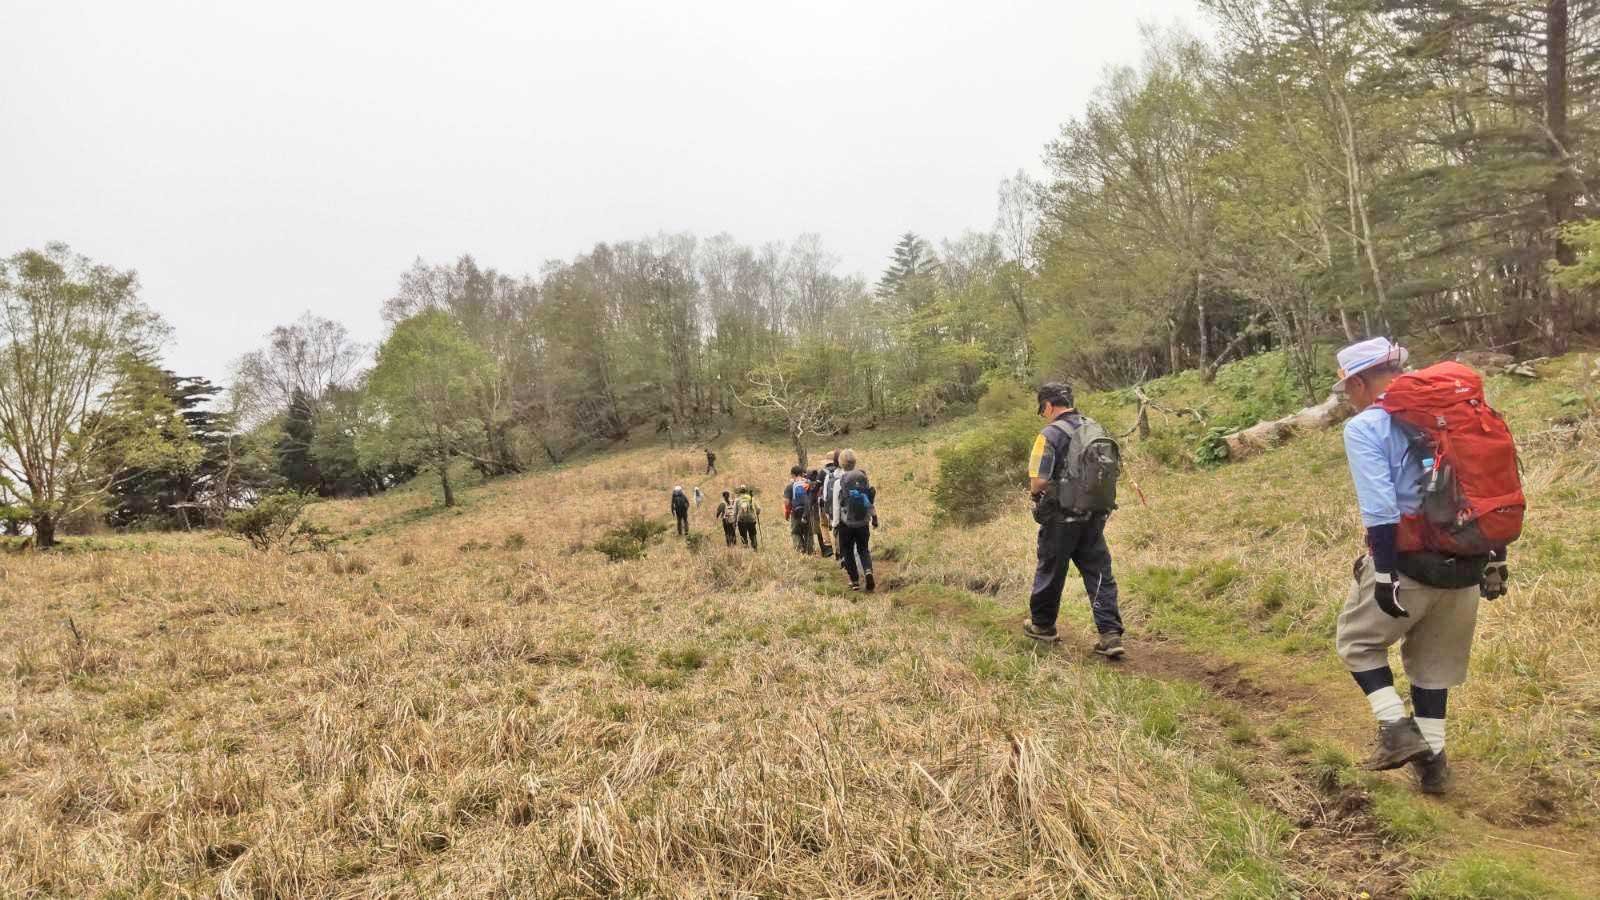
{"x":1472,"y":502}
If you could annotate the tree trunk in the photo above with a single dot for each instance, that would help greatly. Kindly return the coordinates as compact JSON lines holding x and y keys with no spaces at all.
{"x":44,"y":531}
{"x":1200,"y":321}
{"x":1558,"y":199}
{"x":799,"y":447}
{"x":444,"y":482}
{"x":1174,"y":354}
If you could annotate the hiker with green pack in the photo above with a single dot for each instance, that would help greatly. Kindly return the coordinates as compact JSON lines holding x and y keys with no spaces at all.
{"x":1072,"y":473}
{"x":747,"y":515}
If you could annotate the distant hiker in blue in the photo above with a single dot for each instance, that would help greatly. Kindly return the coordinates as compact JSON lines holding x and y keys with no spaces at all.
{"x":855,"y":505}
{"x":798,"y":509}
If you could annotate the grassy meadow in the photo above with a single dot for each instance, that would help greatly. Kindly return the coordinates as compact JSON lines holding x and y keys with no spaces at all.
{"x":476,"y":702}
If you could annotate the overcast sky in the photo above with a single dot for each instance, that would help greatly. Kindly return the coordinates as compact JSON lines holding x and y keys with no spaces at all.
{"x":253,"y":160}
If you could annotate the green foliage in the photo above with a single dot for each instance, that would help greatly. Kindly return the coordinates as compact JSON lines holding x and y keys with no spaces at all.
{"x":1213,"y":449}
{"x":424,"y":394}
{"x":1263,"y":387}
{"x":630,"y":540}
{"x":68,"y":331}
{"x":276,"y":522}
{"x":1004,"y":397}
{"x":985,"y":469}
{"x":1584,"y":274}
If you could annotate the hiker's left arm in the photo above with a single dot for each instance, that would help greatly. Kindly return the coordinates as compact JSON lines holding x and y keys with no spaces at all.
{"x":1041,"y":461}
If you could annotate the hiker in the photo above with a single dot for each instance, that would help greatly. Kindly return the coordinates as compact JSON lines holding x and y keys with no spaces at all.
{"x":728,"y":515}
{"x":711,"y":462}
{"x":1420,"y":582}
{"x":1072,"y":476}
{"x":699,"y":498}
{"x":828,"y":501}
{"x":747,"y":515}
{"x":798,"y":509}
{"x":680,"y":509}
{"x":815,"y":480}
{"x":856,"y":503}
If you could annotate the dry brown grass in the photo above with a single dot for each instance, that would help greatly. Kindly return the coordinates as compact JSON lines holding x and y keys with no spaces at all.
{"x":472,"y":702}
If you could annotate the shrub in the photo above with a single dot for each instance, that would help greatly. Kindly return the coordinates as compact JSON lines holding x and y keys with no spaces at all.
{"x":982,"y":468}
{"x":1212,"y":450}
{"x":516,"y":540}
{"x":629,"y":540}
{"x":695,"y":541}
{"x":276,"y":522}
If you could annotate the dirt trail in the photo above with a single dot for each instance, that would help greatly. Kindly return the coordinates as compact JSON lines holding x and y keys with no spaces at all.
{"x":1339,"y":846}
{"x":1338,"y":835}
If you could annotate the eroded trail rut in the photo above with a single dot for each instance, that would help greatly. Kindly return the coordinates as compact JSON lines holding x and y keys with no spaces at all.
{"x":1339,"y":848}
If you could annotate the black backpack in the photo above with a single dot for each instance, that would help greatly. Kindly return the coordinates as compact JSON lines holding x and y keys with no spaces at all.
{"x":1085,"y":479}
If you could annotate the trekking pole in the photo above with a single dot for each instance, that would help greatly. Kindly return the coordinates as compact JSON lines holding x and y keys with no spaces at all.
{"x":1139,"y":491}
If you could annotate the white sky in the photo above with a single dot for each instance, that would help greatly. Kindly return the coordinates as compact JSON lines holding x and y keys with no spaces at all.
{"x":253,"y":160}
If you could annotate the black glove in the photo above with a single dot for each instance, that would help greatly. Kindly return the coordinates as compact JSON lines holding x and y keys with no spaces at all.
{"x":874,"y":520}
{"x":1387,"y":592}
{"x":1493,"y":585}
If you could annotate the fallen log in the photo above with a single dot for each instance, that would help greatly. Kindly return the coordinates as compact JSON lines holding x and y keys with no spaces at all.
{"x":1269,"y":434}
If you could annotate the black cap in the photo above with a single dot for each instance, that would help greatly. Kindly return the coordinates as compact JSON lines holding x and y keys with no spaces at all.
{"x":1058,"y":393}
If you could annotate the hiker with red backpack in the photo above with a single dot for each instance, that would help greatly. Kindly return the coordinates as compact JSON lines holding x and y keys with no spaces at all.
{"x":1435,"y":473}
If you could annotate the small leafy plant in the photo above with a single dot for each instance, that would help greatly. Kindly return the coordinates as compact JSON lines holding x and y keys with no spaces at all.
{"x":276,"y":522}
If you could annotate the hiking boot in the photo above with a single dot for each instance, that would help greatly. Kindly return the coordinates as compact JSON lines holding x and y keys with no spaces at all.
{"x":1399,"y":742}
{"x":1433,"y":773}
{"x":872,"y":583}
{"x":1109,"y":646}
{"x":855,"y":585}
{"x":1045,"y":635}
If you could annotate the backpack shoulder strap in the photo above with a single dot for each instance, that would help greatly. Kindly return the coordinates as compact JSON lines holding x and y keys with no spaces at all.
{"x":1069,"y":432}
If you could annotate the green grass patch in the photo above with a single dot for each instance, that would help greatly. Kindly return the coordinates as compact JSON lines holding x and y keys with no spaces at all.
{"x":1479,"y":876}
{"x":1403,"y":816}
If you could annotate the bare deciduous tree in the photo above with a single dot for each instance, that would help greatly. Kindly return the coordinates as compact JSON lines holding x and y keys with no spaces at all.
{"x":308,"y":356}
{"x":805,"y":413}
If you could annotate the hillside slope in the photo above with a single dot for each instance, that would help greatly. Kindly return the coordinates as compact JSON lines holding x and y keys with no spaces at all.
{"x":476,"y":701}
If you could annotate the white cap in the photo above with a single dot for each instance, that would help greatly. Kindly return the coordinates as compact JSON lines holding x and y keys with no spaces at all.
{"x":1357,"y":358}
{"x":677,"y":489}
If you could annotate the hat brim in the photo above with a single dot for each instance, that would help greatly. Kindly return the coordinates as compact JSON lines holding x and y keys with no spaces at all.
{"x":1396,"y":354}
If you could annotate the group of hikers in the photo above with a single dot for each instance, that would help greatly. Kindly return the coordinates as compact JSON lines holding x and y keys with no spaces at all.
{"x":1440,"y":496}
{"x":1436,"y":482}
{"x":830,"y":510}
